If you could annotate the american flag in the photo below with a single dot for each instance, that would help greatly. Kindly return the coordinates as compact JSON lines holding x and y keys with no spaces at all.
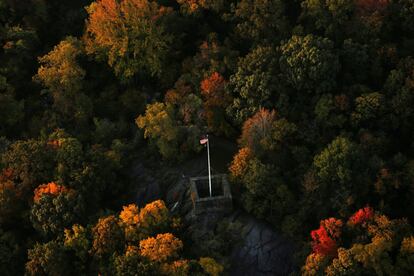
{"x":203,"y":140}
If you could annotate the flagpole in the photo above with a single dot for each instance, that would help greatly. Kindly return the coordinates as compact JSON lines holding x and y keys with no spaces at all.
{"x":209,"y":171}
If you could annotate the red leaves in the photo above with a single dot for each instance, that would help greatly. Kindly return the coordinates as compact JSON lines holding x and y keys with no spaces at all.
{"x":362,"y":216}
{"x":215,"y":100}
{"x":325,"y":238}
{"x":211,"y":84}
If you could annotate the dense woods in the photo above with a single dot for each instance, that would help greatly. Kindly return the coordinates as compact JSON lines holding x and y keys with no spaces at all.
{"x":318,"y":96}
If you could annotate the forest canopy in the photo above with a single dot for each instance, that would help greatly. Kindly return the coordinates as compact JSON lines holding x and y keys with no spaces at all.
{"x":317,"y":97}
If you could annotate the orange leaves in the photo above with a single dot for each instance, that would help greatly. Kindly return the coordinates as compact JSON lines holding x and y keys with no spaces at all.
{"x":161,"y":248}
{"x":154,"y":214}
{"x":107,"y":236}
{"x":257,"y":129}
{"x":138,"y":224}
{"x":104,"y":16}
{"x":50,"y":188}
{"x":215,"y":101}
{"x":239,"y":165}
{"x":129,"y":214}
{"x":212,"y":87}
{"x":361,"y":216}
{"x":325,"y":238}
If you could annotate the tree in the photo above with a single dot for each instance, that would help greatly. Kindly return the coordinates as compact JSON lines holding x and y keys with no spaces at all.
{"x":55,"y":208}
{"x":108,"y":237}
{"x":31,"y":161}
{"x":77,"y":239}
{"x":339,"y":171}
{"x":258,"y":166}
{"x":132,"y":263}
{"x":48,"y":259}
{"x":161,"y":126}
{"x":255,"y":83}
{"x":130,"y":219}
{"x":211,"y":266}
{"x":398,"y":89}
{"x":368,"y":107}
{"x":59,"y":70}
{"x":216,"y":99}
{"x":367,"y":248}
{"x":325,"y":238}
{"x":154,"y":218}
{"x":309,"y":63}
{"x":130,"y":34}
{"x":333,"y":17}
{"x":260,"y":20}
{"x":63,"y":77}
{"x":163,"y":247}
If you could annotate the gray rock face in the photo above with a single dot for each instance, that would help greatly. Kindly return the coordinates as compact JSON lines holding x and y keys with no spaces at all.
{"x":262,"y":251}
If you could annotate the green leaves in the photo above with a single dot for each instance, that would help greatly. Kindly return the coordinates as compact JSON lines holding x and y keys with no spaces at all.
{"x":309,"y":63}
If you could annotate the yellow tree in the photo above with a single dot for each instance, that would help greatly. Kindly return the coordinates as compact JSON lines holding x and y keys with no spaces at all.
{"x":160,"y":127}
{"x":162,"y":248}
{"x":129,"y":34}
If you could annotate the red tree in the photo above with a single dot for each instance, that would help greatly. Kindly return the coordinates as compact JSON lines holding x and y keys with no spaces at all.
{"x":215,"y":100}
{"x":361,"y":216}
{"x":325,"y":238}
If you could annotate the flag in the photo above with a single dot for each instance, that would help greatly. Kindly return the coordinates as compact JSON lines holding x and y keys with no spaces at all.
{"x":203,"y":141}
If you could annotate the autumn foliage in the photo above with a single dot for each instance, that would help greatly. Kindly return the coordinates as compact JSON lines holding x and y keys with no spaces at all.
{"x":49,"y":189}
{"x":239,"y":164}
{"x":256,"y":131}
{"x":161,"y":248}
{"x":215,"y":100}
{"x":361,"y":216}
{"x":119,"y":29}
{"x":325,"y":238}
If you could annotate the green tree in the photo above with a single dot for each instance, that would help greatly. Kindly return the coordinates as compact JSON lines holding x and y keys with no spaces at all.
{"x":48,"y":259}
{"x":77,"y":239}
{"x":331,"y":16}
{"x":368,"y":108}
{"x":338,"y":175}
{"x":31,"y":161}
{"x":161,"y":126}
{"x":260,"y":20}
{"x":63,"y":77}
{"x":309,"y":63}
{"x":52,"y":213}
{"x":255,"y":84}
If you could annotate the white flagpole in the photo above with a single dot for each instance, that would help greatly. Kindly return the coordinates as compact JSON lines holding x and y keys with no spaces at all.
{"x":209,"y":171}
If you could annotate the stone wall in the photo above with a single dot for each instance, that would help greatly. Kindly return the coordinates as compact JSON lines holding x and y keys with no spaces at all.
{"x":222,"y":203}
